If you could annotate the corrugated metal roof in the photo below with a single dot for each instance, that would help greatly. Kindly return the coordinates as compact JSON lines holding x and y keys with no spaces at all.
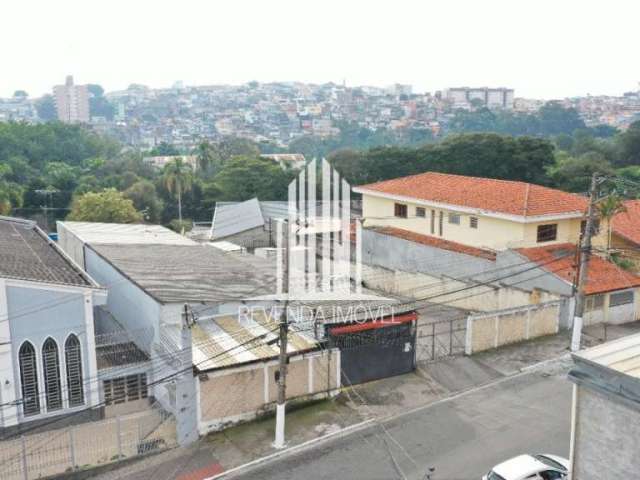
{"x":235,"y":218}
{"x":225,"y":341}
{"x":621,"y":355}
{"x":26,"y":253}
{"x":191,"y":273}
{"x":95,"y":233}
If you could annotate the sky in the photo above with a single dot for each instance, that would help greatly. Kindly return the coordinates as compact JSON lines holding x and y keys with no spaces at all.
{"x":541,"y":48}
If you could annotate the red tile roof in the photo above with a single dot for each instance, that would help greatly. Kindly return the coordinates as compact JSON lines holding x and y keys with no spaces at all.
{"x":627,"y":224}
{"x":602,"y":275}
{"x":435,"y":242}
{"x":501,"y":196}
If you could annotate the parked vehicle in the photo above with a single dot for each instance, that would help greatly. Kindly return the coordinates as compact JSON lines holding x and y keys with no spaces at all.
{"x":531,"y":467}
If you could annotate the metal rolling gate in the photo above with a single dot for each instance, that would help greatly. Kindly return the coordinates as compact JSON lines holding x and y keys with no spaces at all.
{"x":375,"y":350}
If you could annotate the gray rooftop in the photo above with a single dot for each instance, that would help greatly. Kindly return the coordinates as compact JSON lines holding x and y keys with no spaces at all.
{"x":191,"y":273}
{"x":230,"y":219}
{"x":130,"y":233}
{"x":26,"y":253}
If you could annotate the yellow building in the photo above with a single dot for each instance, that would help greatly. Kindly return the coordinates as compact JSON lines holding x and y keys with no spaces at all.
{"x":479,"y":212}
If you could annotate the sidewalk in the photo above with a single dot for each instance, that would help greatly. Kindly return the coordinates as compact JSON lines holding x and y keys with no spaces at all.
{"x":429,"y":383}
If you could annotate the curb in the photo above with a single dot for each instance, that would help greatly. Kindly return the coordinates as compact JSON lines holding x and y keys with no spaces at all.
{"x":387,"y":418}
{"x":285,"y":451}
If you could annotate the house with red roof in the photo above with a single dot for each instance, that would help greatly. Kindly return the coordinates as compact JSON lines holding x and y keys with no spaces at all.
{"x":478,"y":212}
{"x":612,"y":293}
{"x":622,"y":236}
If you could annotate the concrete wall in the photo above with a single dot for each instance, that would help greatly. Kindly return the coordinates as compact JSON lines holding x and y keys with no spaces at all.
{"x":606,"y":434}
{"x":252,"y":238}
{"x":613,"y":314}
{"x":37,"y":312}
{"x":494,"y":233}
{"x":129,"y":304}
{"x":448,"y":291}
{"x":71,"y":244}
{"x":240,"y":394}
{"x":397,"y":254}
{"x":494,"y":329}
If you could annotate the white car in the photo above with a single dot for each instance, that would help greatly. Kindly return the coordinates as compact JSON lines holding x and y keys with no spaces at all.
{"x":531,"y":467}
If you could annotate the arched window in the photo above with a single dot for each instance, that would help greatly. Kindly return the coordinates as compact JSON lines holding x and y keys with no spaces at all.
{"x":74,"y":371}
{"x":29,"y":379}
{"x":51,"y":369}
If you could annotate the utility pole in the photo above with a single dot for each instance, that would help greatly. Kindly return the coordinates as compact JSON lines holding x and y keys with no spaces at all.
{"x":282,"y":358}
{"x":585,"y":253}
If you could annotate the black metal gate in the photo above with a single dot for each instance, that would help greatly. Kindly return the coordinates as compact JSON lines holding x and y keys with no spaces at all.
{"x":374,"y":353}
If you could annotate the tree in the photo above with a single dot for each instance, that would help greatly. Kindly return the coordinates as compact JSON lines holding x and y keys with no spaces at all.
{"x":99,"y":106}
{"x":243,"y":178}
{"x":46,"y":108}
{"x":10,"y":192}
{"x":178,"y":178}
{"x":164,"y":149}
{"x":608,"y":208}
{"x":630,"y":145}
{"x":145,"y":199}
{"x":107,"y":206}
{"x":574,"y":173}
{"x":20,"y":94}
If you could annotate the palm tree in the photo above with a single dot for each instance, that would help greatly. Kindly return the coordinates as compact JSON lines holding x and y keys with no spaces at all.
{"x":608,"y":208}
{"x":178,"y":179}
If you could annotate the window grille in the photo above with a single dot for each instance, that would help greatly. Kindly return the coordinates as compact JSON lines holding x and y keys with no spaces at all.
{"x":51,"y":369}
{"x":547,"y":233}
{"x":454,"y":218}
{"x":125,"y":389}
{"x":73,"y":360}
{"x":421,"y":212}
{"x":473,"y":222}
{"x":29,"y":380}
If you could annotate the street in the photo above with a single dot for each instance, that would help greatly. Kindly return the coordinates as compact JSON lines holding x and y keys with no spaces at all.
{"x":462,"y":437}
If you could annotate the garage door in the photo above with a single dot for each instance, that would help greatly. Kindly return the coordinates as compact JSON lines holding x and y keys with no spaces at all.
{"x":375,"y":350}
{"x":622,"y":307}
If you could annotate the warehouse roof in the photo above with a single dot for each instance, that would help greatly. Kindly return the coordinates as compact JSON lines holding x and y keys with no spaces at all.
{"x":484,"y":195}
{"x":26,"y":253}
{"x":230,"y":219}
{"x":124,"y":233}
{"x":191,"y":273}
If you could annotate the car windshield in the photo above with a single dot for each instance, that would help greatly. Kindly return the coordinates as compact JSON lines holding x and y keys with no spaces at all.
{"x":494,"y":476}
{"x":552,"y":463}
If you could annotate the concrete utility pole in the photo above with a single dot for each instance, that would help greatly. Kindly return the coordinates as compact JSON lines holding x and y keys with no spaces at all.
{"x":585,"y":253}
{"x":282,"y":358}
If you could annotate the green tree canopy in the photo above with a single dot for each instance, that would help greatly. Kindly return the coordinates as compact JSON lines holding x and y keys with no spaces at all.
{"x":106,"y":206}
{"x":145,"y":199}
{"x":246,"y":177}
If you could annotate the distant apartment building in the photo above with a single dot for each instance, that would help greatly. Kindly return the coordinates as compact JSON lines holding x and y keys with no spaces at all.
{"x":488,"y":97}
{"x":287,"y":160}
{"x":162,"y":160}
{"x":72,"y":102}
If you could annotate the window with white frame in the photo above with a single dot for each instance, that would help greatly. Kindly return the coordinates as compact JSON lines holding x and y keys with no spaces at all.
{"x":73,"y":360}
{"x":51,"y":371}
{"x":29,"y":379}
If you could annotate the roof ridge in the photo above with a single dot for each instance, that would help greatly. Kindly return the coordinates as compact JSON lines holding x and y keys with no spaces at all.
{"x":526,"y":199}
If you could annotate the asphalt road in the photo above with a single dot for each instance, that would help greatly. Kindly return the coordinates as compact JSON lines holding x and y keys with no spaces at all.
{"x":462,"y":437}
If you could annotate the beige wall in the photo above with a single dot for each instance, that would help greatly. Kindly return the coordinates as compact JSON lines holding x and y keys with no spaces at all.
{"x":493,"y":233}
{"x":493,"y":329}
{"x":241,"y":394}
{"x":438,"y":290}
